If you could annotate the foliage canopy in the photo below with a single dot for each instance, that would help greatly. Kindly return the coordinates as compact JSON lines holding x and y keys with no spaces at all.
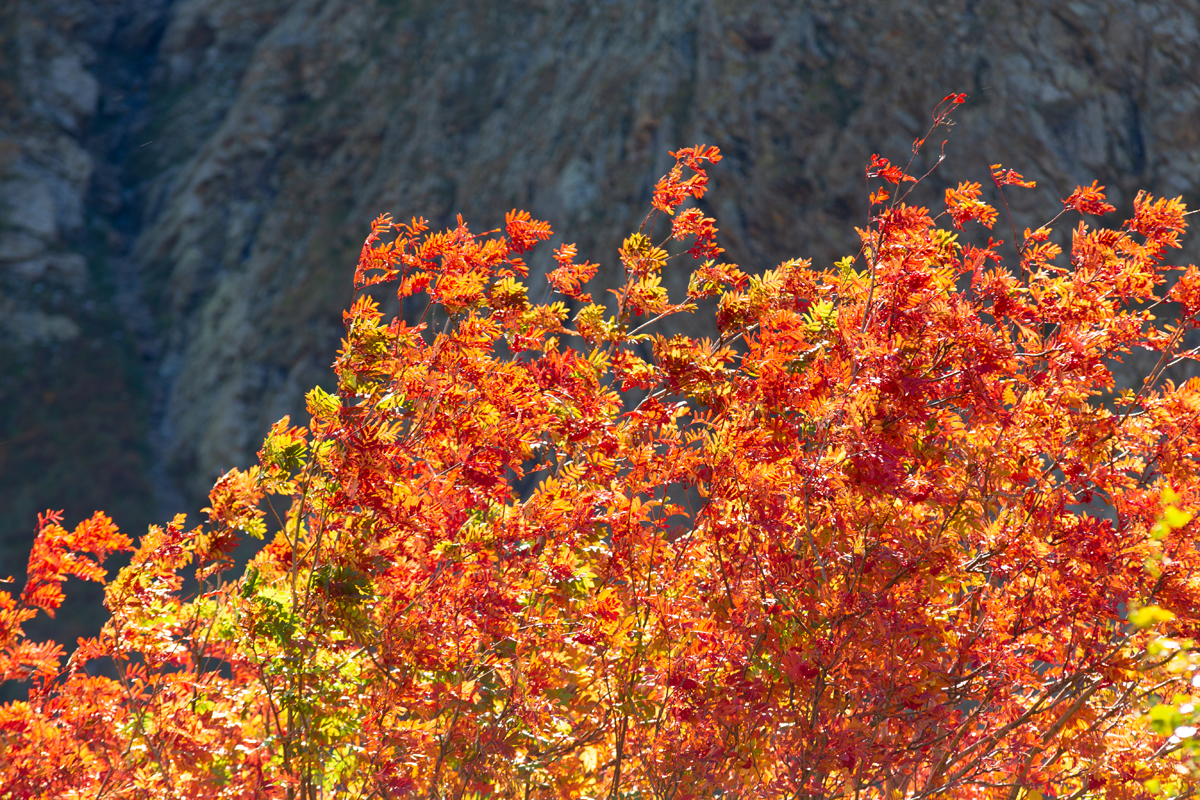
{"x":893,"y":533}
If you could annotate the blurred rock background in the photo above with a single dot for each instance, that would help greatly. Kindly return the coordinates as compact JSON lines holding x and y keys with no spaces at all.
{"x":184,"y":184}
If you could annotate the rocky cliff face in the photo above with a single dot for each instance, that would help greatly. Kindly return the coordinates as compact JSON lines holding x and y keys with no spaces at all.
{"x":212,"y":165}
{"x":73,"y":404}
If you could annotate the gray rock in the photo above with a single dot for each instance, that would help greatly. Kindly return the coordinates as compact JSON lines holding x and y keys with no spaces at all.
{"x":26,"y":326}
{"x":18,"y":245}
{"x":71,"y":90}
{"x":27,"y":204}
{"x":64,"y":269}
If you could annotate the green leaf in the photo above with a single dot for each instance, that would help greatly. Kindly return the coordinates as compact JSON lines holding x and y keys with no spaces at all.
{"x":1164,"y":719}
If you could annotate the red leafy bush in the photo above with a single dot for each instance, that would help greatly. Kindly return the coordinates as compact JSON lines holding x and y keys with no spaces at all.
{"x":882,"y":537}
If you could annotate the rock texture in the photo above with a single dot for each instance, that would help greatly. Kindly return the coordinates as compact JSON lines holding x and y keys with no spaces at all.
{"x":73,"y":407}
{"x":250,"y":142}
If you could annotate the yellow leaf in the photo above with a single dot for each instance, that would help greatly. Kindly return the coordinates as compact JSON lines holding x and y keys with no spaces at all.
{"x":1176,"y":518}
{"x":1148,"y":616}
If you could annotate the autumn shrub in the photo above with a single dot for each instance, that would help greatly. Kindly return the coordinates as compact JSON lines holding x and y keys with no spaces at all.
{"x":894,"y":532}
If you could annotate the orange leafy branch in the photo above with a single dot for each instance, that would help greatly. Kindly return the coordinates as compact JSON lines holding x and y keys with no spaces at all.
{"x":1089,"y":200}
{"x":880,"y":167}
{"x":523,"y":231}
{"x":1011,"y":177}
{"x":673,"y":189}
{"x":570,"y":277}
{"x":58,"y":554}
{"x":963,"y":205}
